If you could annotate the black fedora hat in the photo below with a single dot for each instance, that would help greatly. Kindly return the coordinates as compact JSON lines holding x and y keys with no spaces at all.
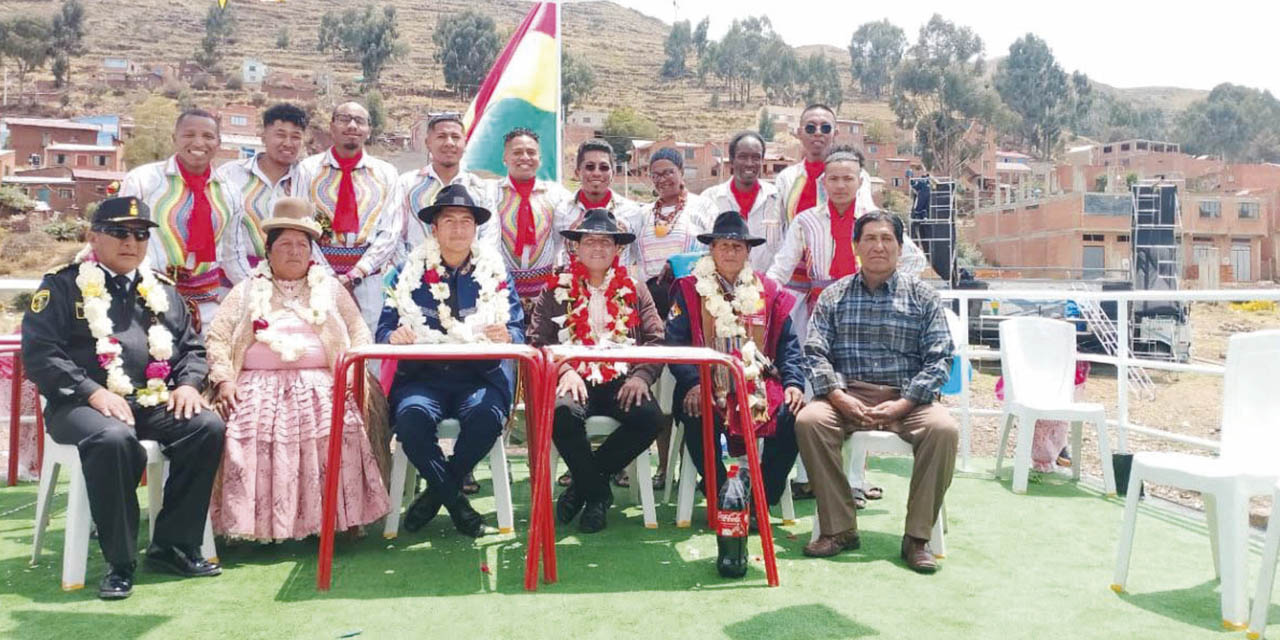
{"x":730,"y":226}
{"x":127,"y":210}
{"x":454,"y":195}
{"x":601,"y":222}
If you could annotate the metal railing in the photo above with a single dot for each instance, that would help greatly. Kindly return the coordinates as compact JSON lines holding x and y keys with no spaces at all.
{"x":1123,"y":360}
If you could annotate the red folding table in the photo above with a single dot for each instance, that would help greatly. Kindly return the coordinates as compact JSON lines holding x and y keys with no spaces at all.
{"x":542,"y":522}
{"x":532,"y":359}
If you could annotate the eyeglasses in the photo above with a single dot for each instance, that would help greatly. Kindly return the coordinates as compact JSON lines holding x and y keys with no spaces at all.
{"x":122,"y":233}
{"x":343,"y":118}
{"x":665,"y":173}
{"x":813,"y":128}
{"x":593,"y":167}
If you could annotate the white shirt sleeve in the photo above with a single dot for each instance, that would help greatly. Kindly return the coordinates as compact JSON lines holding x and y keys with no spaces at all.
{"x":390,"y":229}
{"x":231,"y":251}
{"x":784,"y":263}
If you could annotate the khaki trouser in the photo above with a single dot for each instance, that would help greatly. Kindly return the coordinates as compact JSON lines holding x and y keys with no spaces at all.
{"x":932,"y":432}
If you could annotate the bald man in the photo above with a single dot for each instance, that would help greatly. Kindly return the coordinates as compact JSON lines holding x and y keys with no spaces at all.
{"x":359,"y":204}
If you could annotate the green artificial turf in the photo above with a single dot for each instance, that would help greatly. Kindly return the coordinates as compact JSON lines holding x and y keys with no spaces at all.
{"x":1034,"y":566}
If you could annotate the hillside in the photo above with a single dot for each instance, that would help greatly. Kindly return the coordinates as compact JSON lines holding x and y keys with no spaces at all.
{"x":624,"y":47}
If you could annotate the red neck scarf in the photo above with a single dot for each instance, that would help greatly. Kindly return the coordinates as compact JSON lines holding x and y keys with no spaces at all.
{"x":526,"y":230}
{"x":809,"y":196}
{"x":346,"y":219}
{"x":602,"y":203}
{"x":745,"y":200}
{"x":843,"y":262}
{"x":200,"y":240}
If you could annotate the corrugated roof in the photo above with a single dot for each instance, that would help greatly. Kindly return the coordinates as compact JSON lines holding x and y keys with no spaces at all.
{"x":52,"y":123}
{"x":61,"y":146}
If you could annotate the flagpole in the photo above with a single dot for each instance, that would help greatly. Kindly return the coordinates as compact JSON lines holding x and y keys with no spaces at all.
{"x":559,"y":5}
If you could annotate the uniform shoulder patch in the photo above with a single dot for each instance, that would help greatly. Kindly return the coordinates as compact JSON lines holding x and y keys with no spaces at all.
{"x":39,"y":301}
{"x":60,"y":268}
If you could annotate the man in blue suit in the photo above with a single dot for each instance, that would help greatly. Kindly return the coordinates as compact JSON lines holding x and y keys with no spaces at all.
{"x":451,"y":289}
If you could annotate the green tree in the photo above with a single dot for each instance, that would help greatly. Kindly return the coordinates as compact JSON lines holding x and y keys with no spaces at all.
{"x":623,"y":126}
{"x":377,"y":112}
{"x":466,"y":45}
{"x":822,"y":81}
{"x":370,"y":37}
{"x":1033,"y":85}
{"x":937,"y":94}
{"x":764,"y":125}
{"x":577,"y":80}
{"x":780,"y":70}
{"x":875,"y":51}
{"x":152,"y":131}
{"x":676,"y":47}
{"x":219,"y":28}
{"x":25,"y":41}
{"x":282,"y":37}
{"x":699,"y":38}
{"x":67,"y":31}
{"x":1239,"y":123}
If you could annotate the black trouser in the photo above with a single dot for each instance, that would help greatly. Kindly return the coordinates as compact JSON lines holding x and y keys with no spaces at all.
{"x":776,"y":460}
{"x":113,"y":462}
{"x":591,"y":470}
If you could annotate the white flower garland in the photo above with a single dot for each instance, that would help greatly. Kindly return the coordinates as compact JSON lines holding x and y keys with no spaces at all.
{"x":92,"y":282}
{"x":320,"y":303}
{"x":729,"y":317}
{"x":490,"y":273}
{"x":575,"y":324}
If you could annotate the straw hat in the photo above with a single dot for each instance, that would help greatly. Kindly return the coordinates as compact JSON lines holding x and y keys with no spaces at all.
{"x":293,"y":213}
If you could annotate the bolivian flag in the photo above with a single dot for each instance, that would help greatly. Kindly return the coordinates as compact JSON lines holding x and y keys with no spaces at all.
{"x":521,"y":90}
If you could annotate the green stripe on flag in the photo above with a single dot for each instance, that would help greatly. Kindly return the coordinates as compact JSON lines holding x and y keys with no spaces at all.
{"x":484,"y":149}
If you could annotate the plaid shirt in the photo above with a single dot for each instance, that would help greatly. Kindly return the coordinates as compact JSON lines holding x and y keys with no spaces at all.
{"x":895,"y":336}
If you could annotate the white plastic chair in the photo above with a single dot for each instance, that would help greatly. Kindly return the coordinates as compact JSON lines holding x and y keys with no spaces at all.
{"x":404,"y":481}
{"x":1245,"y":467}
{"x":639,"y":469}
{"x":689,"y":484}
{"x":1267,"y":574}
{"x":855,"y":451}
{"x":75,"y":545}
{"x":1038,"y":361}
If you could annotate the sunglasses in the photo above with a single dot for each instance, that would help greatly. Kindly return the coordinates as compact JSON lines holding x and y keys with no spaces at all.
{"x":122,"y":233}
{"x":813,"y":128}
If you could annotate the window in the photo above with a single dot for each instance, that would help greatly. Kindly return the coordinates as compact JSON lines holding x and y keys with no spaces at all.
{"x":1124,"y":147}
{"x":239,"y":121}
{"x":586,"y":120}
{"x":102,"y":161}
{"x":1106,"y":149}
{"x":82,"y":161}
{"x":688,"y":154}
{"x":1141,"y":146}
{"x":1122,"y":238}
{"x":871,"y":148}
{"x":1249,"y":210}
{"x":897,"y":182}
{"x":61,"y":158}
{"x":1094,"y":237}
{"x":1210,"y":209}
{"x":65,"y":194}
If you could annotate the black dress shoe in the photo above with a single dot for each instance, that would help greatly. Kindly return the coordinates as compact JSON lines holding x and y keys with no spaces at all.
{"x":422,"y":510}
{"x":465,"y":519}
{"x":184,"y":563}
{"x":117,"y":584}
{"x":594,"y":515}
{"x":569,"y":504}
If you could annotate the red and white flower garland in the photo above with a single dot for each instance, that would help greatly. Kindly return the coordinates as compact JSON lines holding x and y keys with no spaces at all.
{"x":92,"y":282}
{"x":575,"y":325}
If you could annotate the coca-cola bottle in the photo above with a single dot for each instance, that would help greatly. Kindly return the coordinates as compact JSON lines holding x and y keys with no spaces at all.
{"x":732,"y":521}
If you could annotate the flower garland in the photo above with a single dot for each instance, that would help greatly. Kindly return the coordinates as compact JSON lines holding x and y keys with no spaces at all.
{"x":321,"y":302}
{"x":729,"y":316}
{"x":575,"y":325}
{"x":92,"y":282}
{"x":425,"y":267}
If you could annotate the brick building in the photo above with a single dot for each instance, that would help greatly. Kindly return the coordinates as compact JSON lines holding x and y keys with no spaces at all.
{"x":28,"y":137}
{"x":85,"y":156}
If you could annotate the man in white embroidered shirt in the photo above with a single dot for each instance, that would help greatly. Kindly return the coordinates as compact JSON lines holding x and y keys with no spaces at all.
{"x":359,"y":206}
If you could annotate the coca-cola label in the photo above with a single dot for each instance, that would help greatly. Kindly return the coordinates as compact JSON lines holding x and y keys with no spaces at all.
{"x":731,"y":524}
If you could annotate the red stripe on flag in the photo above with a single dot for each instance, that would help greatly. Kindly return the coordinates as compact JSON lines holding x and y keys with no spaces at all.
{"x":542,"y":17}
